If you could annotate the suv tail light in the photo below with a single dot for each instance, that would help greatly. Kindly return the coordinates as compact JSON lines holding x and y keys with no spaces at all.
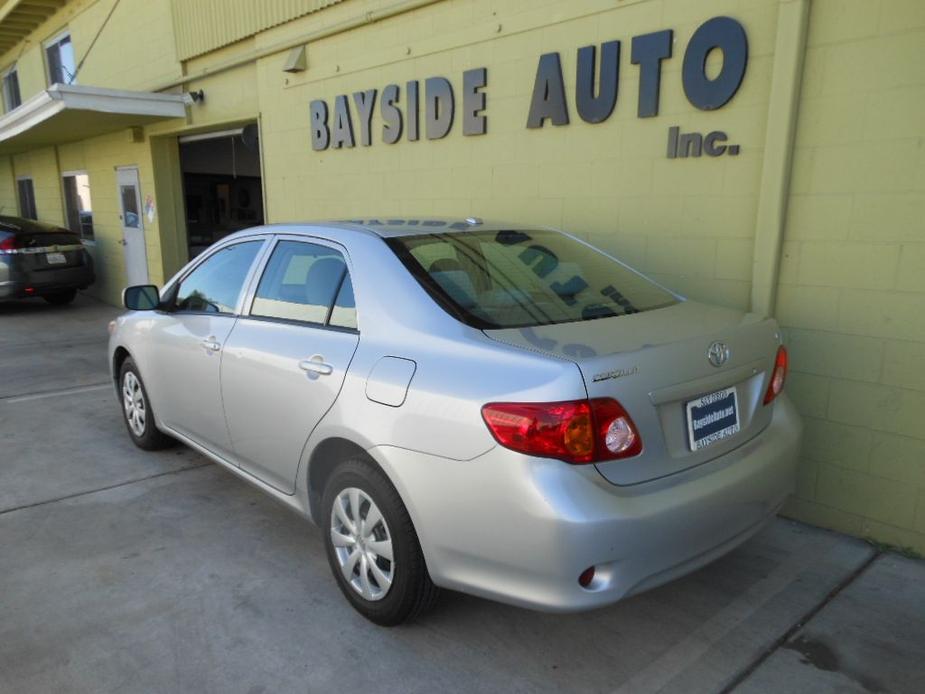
{"x":778,"y":376}
{"x":8,"y":242}
{"x":576,"y":431}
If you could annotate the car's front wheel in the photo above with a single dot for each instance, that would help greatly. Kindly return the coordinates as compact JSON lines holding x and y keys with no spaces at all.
{"x":372,"y":547}
{"x":136,"y":410}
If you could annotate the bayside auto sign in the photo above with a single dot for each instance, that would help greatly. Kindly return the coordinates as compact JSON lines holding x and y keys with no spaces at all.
{"x":594,"y":99}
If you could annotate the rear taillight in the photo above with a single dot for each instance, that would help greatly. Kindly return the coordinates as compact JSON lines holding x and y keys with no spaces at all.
{"x":576,"y":431}
{"x":8,"y":243}
{"x":778,"y":375}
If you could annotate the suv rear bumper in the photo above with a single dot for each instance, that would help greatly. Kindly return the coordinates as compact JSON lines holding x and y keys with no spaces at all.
{"x":520,"y":530}
{"x":48,"y":282}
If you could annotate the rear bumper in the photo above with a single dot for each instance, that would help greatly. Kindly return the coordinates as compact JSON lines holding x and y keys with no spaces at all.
{"x":47,"y":282}
{"x":521,"y":530}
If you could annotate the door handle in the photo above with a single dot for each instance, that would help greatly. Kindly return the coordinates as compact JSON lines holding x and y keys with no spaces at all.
{"x":211,"y":344}
{"x":316,"y":365}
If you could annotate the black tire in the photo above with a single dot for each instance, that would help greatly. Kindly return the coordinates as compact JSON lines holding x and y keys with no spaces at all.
{"x":149,"y":437}
{"x":411,"y":592}
{"x":61,"y":298}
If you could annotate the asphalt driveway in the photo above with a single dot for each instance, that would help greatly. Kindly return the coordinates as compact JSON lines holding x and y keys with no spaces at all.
{"x":123,"y":571}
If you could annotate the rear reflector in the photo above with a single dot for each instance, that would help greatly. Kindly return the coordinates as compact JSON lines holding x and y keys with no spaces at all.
{"x":576,"y":431}
{"x":778,"y":375}
{"x":584,"y":580}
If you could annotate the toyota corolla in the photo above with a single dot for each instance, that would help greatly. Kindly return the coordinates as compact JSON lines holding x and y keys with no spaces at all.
{"x":491,"y":408}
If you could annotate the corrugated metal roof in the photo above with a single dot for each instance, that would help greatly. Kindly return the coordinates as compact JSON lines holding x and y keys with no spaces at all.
{"x":201,"y":26}
{"x":19,"y":18}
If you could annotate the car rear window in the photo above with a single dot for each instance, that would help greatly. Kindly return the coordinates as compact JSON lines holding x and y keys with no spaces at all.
{"x":516,"y":278}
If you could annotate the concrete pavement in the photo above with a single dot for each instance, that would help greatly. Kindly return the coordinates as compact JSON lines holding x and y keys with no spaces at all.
{"x":136,"y":572}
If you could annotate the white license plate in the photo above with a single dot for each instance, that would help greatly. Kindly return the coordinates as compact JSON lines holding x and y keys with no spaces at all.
{"x":712,"y":417}
{"x":55,"y":258}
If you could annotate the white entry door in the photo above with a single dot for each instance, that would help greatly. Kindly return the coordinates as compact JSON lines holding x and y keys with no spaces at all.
{"x":133,"y":227}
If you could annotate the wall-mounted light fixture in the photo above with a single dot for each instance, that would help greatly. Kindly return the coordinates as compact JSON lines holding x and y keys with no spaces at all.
{"x":296,"y":61}
{"x":196,"y":97}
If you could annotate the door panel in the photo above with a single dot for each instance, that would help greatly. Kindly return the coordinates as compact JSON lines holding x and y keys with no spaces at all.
{"x":187,"y":343}
{"x":285,"y":361}
{"x":187,"y":367}
{"x":133,"y":230}
{"x":273,"y":399}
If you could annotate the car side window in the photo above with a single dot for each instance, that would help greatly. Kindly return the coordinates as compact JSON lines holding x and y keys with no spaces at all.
{"x":215,"y":285}
{"x":305,"y":282}
{"x":344,"y":313}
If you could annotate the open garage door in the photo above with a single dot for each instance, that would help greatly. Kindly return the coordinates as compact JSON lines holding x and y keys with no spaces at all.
{"x":222,"y":189}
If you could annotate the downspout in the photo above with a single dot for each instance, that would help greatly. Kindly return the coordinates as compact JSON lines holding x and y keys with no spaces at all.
{"x":252,"y":56}
{"x":773,"y":195}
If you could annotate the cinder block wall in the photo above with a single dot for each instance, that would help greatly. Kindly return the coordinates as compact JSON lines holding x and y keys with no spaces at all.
{"x":853,"y":270}
{"x":852,"y":289}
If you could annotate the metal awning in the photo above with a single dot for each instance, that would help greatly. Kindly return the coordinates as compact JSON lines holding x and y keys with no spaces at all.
{"x":71,"y":112}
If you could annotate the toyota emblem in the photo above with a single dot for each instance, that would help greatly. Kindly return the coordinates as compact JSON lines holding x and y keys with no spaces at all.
{"x":718,"y":353}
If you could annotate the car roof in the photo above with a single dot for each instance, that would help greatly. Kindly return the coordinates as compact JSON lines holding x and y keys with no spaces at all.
{"x":389,"y":227}
{"x":21,"y":225}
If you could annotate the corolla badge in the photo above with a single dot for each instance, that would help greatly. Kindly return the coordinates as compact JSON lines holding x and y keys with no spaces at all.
{"x":718,"y":353}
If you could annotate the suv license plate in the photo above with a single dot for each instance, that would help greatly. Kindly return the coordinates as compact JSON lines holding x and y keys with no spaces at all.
{"x":712,"y":417}
{"x":55,"y":258}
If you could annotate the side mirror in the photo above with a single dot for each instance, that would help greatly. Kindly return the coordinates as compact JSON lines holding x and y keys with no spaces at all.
{"x":141,"y":297}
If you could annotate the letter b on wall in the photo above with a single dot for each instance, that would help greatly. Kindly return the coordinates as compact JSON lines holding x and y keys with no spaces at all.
{"x":321,"y":136}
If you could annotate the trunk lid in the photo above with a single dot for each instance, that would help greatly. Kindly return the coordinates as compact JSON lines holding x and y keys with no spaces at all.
{"x":48,"y":251}
{"x":655,"y":363}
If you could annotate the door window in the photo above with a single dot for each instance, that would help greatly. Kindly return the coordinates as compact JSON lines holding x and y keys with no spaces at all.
{"x":344,"y":313}
{"x":130,"y":216}
{"x":214,"y":286}
{"x":301,"y":282}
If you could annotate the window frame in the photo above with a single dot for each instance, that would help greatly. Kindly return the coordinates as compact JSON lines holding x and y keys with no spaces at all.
{"x":91,"y":240}
{"x":169,"y":294}
{"x":35,"y":207}
{"x":5,"y":74}
{"x":265,"y":261}
{"x":54,"y":41}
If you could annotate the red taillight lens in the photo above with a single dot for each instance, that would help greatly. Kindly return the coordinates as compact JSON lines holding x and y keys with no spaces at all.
{"x":576,"y":431}
{"x":778,"y":376}
{"x":8,"y":243}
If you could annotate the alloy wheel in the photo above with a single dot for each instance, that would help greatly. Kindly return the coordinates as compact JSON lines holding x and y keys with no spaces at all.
{"x":362,"y":544}
{"x":133,"y":402}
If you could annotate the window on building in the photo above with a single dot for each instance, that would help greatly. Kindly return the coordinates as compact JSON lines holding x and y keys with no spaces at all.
{"x":305,"y":282}
{"x":77,"y":204}
{"x":11,"y":96}
{"x":59,"y":57}
{"x":26,"y":198}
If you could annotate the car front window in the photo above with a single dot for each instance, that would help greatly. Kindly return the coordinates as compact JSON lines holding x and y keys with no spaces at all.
{"x":215,"y":285}
{"x":515,"y":278}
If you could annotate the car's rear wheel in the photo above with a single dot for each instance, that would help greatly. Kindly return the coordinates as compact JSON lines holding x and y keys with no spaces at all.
{"x":136,"y":410}
{"x":372,"y":547}
{"x":61,"y":298}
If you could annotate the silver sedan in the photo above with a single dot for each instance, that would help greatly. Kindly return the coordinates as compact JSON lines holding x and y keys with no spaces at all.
{"x":490,"y":408}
